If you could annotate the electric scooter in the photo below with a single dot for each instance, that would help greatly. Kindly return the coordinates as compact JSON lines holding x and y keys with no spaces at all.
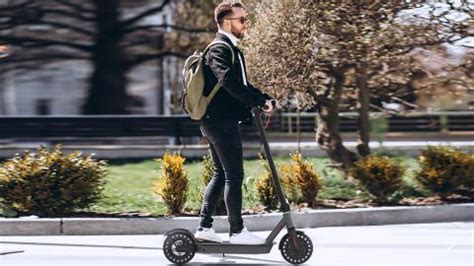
{"x":296,"y":247}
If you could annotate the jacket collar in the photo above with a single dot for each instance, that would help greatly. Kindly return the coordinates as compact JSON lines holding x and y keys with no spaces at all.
{"x":228,"y":37}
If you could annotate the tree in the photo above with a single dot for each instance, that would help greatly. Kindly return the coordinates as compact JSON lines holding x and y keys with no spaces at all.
{"x":443,"y":79}
{"x":92,"y":30}
{"x":319,"y":51}
{"x":190,"y":14}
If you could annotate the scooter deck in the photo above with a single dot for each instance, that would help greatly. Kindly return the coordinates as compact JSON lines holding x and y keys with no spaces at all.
{"x":227,"y":248}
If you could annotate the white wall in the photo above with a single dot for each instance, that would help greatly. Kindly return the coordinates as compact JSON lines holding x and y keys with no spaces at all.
{"x":65,"y":84}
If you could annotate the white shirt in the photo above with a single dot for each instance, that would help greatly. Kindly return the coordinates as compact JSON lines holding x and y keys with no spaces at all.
{"x":235,"y":42}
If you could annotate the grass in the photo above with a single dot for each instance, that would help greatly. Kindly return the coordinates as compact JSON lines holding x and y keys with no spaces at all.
{"x":129,"y":185}
{"x":129,"y":189}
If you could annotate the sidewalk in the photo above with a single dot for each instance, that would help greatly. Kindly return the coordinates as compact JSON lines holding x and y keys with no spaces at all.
{"x":251,"y":150}
{"x":443,"y":244}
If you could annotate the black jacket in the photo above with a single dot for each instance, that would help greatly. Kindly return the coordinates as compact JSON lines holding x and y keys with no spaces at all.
{"x":233,"y":100}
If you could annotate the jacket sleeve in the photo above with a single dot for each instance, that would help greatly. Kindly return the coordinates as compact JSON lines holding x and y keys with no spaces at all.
{"x":266,"y":96}
{"x":220,"y":62}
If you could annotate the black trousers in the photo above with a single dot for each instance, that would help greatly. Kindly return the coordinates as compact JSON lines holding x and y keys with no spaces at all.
{"x":225,"y":144}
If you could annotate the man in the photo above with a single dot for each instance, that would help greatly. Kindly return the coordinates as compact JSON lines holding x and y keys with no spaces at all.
{"x":220,"y":125}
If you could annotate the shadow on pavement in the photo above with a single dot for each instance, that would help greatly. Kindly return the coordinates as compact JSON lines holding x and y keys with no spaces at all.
{"x":75,"y":245}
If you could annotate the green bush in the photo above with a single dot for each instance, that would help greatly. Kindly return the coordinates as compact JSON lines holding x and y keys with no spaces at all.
{"x":289,"y":184}
{"x":206,"y":176}
{"x":301,"y":175}
{"x":207,"y":173}
{"x":49,"y":183}
{"x":266,"y":190}
{"x":378,"y":175}
{"x":172,"y":185}
{"x":446,"y":170}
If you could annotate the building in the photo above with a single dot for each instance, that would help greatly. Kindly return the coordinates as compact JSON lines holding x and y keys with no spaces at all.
{"x":60,"y":88}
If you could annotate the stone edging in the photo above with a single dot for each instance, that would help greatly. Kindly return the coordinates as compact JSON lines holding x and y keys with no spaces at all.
{"x":302,"y":219}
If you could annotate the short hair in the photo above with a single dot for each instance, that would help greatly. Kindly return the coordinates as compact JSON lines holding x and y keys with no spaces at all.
{"x":224,"y":9}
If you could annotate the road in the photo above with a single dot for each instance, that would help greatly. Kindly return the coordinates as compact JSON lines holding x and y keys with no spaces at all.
{"x":411,"y":244}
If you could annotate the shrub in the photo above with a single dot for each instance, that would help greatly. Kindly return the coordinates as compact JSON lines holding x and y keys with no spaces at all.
{"x":208,"y":172}
{"x":289,"y":184}
{"x":378,"y":175}
{"x":249,"y":193}
{"x":446,"y":170}
{"x":49,"y":183}
{"x":172,"y":185}
{"x":301,"y":175}
{"x":266,"y":190}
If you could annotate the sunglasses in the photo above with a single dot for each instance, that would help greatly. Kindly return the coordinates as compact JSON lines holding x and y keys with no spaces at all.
{"x":240,"y":19}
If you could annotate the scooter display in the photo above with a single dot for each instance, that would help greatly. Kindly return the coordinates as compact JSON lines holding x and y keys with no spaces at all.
{"x":296,"y":247}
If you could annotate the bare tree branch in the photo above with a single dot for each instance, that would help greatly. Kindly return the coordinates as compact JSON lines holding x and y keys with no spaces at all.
{"x":44,"y":57}
{"x":71,"y":27}
{"x":16,"y":6}
{"x":165,"y":26}
{"x":38,"y":42}
{"x":75,"y":6}
{"x":143,"y":58}
{"x":318,"y":98}
{"x":69,"y":14}
{"x":81,"y":30}
{"x":404,"y":102}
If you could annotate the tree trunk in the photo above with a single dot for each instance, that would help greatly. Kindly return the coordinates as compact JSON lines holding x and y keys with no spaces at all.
{"x":107,"y":91}
{"x":160,"y":88}
{"x":328,"y":133}
{"x":3,"y":110}
{"x":363,"y":108}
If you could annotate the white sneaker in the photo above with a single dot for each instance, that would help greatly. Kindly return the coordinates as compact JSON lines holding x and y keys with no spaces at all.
{"x":207,"y":234}
{"x":246,"y":238}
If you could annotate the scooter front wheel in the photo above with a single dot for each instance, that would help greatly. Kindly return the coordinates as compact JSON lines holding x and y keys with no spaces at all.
{"x":179,"y":247}
{"x":297,"y":248}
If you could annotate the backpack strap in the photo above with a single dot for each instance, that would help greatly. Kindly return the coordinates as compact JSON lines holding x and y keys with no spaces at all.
{"x":219,"y":83}
{"x":221,"y":42}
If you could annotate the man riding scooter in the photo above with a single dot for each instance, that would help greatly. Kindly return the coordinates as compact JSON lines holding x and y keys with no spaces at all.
{"x":220,"y":124}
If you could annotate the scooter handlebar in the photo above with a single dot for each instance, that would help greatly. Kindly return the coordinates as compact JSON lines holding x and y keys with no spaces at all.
{"x":257,"y":110}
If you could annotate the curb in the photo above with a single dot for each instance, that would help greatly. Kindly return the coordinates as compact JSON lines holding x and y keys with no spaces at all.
{"x":250,"y":150}
{"x":303,"y":219}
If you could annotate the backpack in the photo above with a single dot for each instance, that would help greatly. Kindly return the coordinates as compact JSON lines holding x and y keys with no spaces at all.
{"x":194,"y":101}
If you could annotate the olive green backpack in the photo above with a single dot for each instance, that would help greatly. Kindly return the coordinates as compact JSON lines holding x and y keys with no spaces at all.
{"x":194,"y":101}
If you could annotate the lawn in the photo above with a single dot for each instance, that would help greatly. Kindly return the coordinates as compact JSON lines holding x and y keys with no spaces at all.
{"x":129,"y":185}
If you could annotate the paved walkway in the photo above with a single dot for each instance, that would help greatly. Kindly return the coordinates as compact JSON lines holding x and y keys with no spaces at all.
{"x":447,"y":244}
{"x":251,"y":149}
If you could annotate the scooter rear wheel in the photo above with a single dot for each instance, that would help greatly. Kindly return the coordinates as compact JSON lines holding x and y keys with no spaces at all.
{"x":179,"y":247}
{"x":297,"y":249}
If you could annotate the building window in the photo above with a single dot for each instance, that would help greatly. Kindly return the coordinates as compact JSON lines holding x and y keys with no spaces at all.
{"x":43,"y":107}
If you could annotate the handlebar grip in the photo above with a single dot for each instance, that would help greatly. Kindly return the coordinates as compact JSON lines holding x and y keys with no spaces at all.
{"x":273,"y":101}
{"x":257,"y":111}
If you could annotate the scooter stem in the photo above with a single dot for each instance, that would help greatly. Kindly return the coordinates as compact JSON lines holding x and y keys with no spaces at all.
{"x":284,"y":206}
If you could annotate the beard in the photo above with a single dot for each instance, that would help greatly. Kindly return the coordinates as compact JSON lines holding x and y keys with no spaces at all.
{"x":237,"y":33}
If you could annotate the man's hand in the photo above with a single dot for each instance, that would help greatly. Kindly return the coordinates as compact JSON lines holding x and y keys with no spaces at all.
{"x":277,"y":105}
{"x":270,"y":105}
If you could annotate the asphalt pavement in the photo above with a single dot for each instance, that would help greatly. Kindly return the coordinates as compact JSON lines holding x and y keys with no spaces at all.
{"x":447,"y":244}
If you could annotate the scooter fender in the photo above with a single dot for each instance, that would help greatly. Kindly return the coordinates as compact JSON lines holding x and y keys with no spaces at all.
{"x":180,"y":230}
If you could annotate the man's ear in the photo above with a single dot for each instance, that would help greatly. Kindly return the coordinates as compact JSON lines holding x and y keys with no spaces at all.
{"x":226,"y":23}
